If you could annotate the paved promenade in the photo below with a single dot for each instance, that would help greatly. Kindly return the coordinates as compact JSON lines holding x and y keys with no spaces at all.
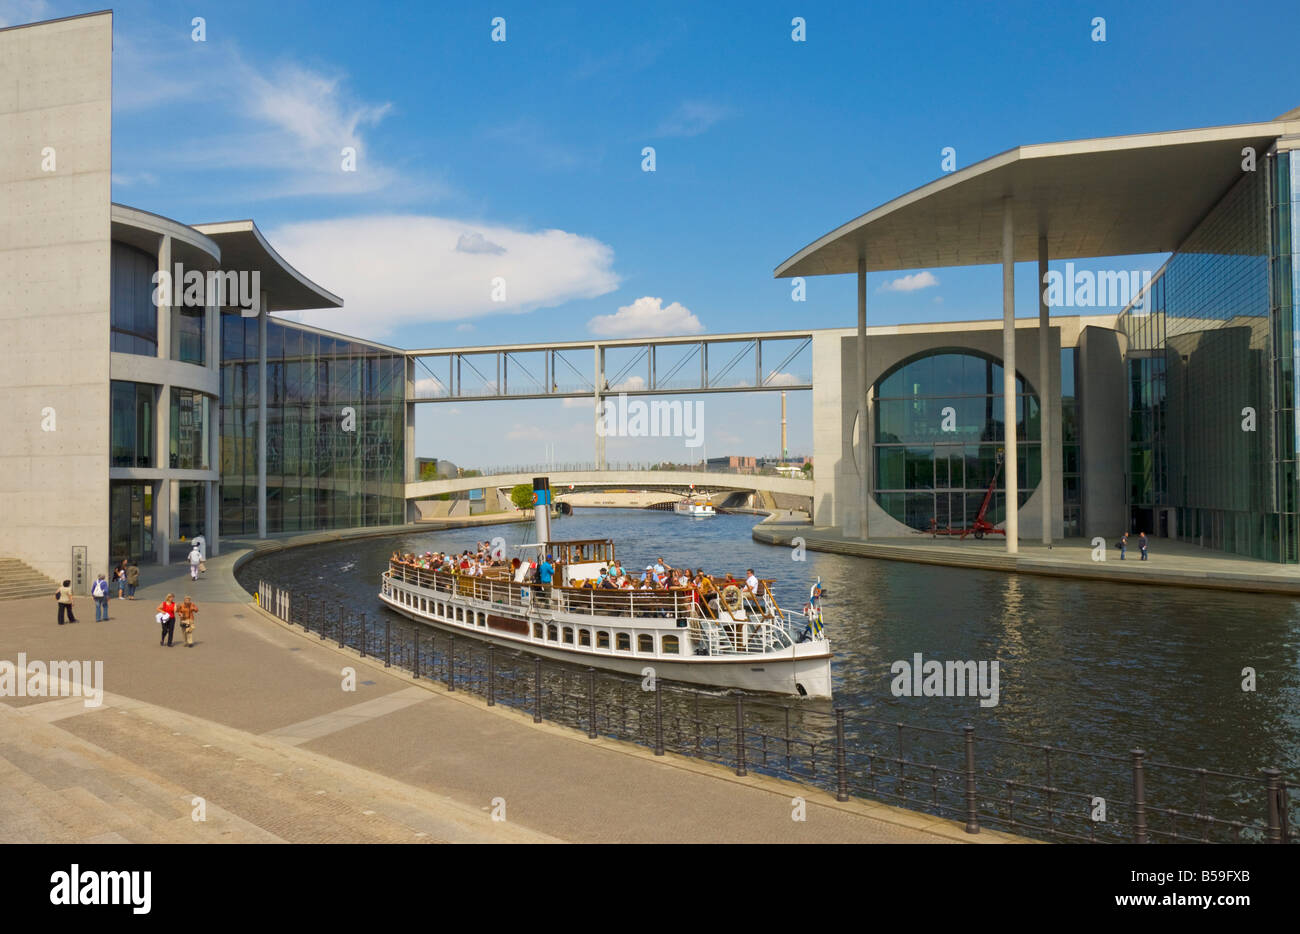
{"x":1170,"y":563}
{"x":254,"y":722}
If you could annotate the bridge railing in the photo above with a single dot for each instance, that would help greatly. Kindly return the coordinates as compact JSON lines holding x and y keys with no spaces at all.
{"x":610,"y":467}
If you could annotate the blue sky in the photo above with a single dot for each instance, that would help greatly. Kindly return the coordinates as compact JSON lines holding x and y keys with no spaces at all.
{"x":524,"y":157}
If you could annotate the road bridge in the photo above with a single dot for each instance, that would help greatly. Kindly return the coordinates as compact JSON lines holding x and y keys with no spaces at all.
{"x":621,"y":479}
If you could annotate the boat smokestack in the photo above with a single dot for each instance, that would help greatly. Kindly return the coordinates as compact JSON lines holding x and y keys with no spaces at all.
{"x":542,"y":508}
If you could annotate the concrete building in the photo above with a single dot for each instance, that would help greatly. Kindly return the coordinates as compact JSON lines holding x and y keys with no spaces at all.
{"x":147,"y":399}
{"x":1185,"y":408}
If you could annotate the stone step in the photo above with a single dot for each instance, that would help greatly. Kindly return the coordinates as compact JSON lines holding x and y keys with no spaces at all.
{"x":19,"y":580}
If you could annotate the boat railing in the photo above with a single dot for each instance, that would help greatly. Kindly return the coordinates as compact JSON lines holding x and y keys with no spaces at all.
{"x":744,"y":635}
{"x":675,"y":603}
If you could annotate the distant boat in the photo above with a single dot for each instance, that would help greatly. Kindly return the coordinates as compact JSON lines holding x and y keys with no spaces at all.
{"x":697,"y":506}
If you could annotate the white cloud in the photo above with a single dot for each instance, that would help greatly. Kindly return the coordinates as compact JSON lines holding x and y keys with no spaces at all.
{"x":477,"y":243}
{"x":646,"y":317}
{"x":917,"y":280}
{"x":782,"y":379}
{"x":464,"y":327}
{"x":692,"y":118}
{"x":21,"y":12}
{"x":631,"y":384}
{"x":392,"y":270}
{"x":282,"y":125}
{"x":430,"y":386}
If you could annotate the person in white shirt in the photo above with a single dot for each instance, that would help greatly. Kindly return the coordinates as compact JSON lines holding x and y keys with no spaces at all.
{"x":196,"y":558}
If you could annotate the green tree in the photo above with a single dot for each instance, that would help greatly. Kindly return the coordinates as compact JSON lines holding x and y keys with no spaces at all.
{"x":522,"y":496}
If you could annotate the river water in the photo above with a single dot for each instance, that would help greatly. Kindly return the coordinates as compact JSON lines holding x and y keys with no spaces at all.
{"x":1092,"y":666}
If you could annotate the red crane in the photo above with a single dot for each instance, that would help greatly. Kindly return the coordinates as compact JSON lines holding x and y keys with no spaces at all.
{"x":981,"y":526}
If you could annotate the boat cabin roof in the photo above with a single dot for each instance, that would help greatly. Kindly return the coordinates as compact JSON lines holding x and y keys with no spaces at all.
{"x":582,"y":550}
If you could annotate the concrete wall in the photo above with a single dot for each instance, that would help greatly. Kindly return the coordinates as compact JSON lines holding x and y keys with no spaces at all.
{"x":55,"y":92}
{"x":1103,"y":432}
{"x":835,"y":497}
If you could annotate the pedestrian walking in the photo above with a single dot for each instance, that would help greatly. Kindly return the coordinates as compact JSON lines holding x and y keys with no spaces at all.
{"x":167,"y":619}
{"x":185,"y":614}
{"x":99,"y":590}
{"x":132,"y":580}
{"x":1142,"y":544}
{"x":64,"y":596}
{"x":119,"y":578}
{"x":1123,"y":545}
{"x":196,"y":558}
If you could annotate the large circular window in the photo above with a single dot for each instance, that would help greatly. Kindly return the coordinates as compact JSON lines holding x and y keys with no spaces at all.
{"x":940,"y":428}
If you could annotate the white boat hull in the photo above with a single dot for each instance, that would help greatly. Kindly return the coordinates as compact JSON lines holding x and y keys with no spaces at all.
{"x":803,"y":669}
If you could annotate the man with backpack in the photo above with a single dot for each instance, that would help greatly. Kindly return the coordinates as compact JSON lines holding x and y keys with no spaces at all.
{"x":99,"y":590}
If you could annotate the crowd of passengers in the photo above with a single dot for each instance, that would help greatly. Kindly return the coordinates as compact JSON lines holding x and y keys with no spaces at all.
{"x":659,"y":576}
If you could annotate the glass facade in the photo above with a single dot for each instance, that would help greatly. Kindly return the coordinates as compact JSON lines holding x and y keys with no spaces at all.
{"x":134,"y":318}
{"x":335,"y":430}
{"x":190,"y":423}
{"x":1284,"y":279}
{"x":131,"y":427}
{"x":189,"y":328}
{"x":939,"y":429}
{"x":130,"y":520}
{"x":1200,"y":465}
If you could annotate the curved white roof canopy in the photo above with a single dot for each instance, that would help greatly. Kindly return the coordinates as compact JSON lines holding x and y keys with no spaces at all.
{"x":244,"y":248}
{"x":1098,"y":197}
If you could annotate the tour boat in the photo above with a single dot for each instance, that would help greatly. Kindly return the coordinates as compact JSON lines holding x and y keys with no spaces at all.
{"x":696,"y":506}
{"x":738,"y":641}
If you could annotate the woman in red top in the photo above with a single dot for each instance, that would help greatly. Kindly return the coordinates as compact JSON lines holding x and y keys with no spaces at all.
{"x":168,"y":609}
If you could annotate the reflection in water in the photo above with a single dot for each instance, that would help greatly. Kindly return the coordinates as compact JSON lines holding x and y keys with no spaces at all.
{"x":1083,"y":664}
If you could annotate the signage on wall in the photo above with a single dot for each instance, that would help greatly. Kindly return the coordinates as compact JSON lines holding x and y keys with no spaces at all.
{"x":79,"y":572}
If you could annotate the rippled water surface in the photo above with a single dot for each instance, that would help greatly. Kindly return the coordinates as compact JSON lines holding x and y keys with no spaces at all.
{"x":1087,"y":665}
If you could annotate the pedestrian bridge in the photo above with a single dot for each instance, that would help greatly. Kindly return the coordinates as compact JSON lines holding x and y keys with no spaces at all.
{"x":704,"y":481}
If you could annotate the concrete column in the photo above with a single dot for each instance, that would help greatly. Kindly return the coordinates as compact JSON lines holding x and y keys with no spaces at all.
{"x":1010,"y":471}
{"x":163,"y":507}
{"x":173,"y":511}
{"x":864,"y":453}
{"x":162,"y":512}
{"x":162,"y":521}
{"x":165,"y":311}
{"x":212,"y":319}
{"x":1047,"y":444}
{"x":261,"y":417}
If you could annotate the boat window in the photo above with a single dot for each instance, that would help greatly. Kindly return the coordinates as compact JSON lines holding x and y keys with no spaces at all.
{"x":602,"y":639}
{"x":624,"y":643}
{"x":537,"y":630}
{"x":584,"y":637}
{"x":568,"y":634}
{"x":645,"y":643}
{"x":671,"y":646}
{"x":460,"y":614}
{"x":424,"y":605}
{"x":552,"y":633}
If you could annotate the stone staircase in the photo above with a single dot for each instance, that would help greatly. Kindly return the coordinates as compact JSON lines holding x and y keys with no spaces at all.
{"x":18,"y":580}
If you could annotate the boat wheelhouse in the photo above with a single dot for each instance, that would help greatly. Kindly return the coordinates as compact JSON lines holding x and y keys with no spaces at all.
{"x":697,"y":506}
{"x":717,"y":636}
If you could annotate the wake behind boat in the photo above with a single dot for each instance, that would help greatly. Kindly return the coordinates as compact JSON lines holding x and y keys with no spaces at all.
{"x":688,"y":626}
